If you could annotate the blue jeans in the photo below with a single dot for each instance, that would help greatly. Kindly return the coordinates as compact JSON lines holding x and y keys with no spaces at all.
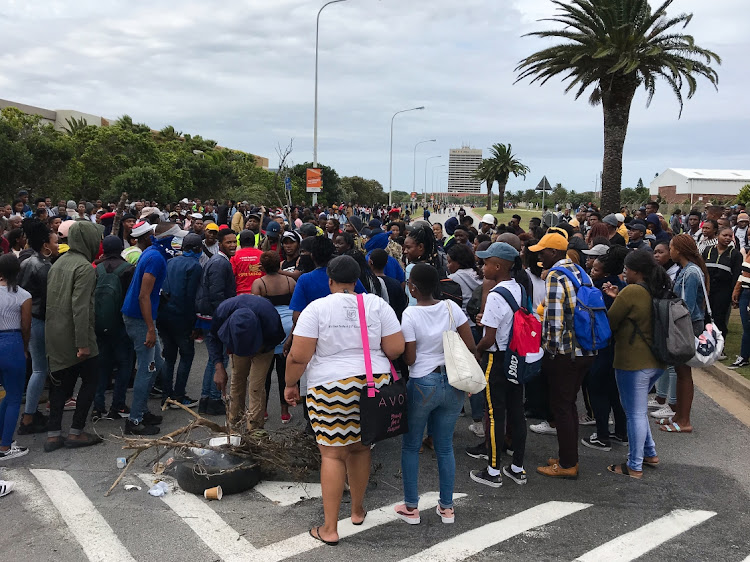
{"x":634,"y":387}
{"x":745,"y":317}
{"x":115,"y":350}
{"x":149,"y":361}
{"x":431,"y":399}
{"x":209,"y":389}
{"x":666,"y":386}
{"x":13,"y":378}
{"x":176,"y":338}
{"x":38,"y":366}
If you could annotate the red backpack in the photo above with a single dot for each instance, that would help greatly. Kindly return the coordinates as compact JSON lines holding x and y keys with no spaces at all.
{"x":524,"y":353}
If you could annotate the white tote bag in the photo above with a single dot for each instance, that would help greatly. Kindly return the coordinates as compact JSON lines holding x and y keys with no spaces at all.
{"x":710,"y":344}
{"x":464,"y":373}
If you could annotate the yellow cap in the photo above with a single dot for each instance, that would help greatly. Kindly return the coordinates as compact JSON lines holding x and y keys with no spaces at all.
{"x":552,"y":240}
{"x":212,"y":226}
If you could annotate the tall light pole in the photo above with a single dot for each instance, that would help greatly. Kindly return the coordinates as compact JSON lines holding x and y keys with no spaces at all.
{"x":390,"y":167}
{"x":424,"y":187}
{"x":414,"y":179}
{"x":433,"y":174}
{"x":315,"y":126}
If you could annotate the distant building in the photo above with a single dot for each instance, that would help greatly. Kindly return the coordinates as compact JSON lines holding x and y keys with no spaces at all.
{"x":58,"y":119}
{"x":677,"y":185}
{"x":462,"y":164}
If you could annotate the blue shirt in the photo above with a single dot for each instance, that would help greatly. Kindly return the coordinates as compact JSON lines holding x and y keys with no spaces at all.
{"x":313,"y":286}
{"x":151,"y":261}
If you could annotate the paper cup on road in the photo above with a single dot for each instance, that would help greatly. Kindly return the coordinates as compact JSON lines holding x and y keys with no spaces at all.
{"x":213,"y":493}
{"x":122,"y":462}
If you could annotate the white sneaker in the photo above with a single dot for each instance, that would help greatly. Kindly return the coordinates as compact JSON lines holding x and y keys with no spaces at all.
{"x":663,"y":412}
{"x":543,"y":428}
{"x":652,"y":403}
{"x":6,"y":487}
{"x":584,"y":419}
{"x":13,"y":452}
{"x":477,"y":428}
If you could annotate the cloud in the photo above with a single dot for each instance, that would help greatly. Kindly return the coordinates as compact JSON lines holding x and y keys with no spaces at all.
{"x":242,"y":73}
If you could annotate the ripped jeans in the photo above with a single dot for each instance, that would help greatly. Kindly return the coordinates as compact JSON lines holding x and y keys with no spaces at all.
{"x":149,"y":362}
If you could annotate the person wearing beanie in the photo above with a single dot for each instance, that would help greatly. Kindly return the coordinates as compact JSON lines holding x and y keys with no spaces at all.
{"x":114,"y":345}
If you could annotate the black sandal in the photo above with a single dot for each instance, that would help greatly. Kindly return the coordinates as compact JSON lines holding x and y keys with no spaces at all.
{"x":361,"y":522}
{"x":624,"y":470}
{"x":317,"y":536}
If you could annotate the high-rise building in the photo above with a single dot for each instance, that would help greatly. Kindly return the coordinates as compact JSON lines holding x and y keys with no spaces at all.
{"x":462,"y":164}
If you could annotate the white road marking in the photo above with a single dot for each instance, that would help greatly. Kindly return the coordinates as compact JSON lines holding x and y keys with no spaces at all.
{"x":475,"y":541}
{"x":636,"y":543}
{"x":196,"y":512}
{"x":288,"y":493}
{"x":304,"y":542}
{"x":93,"y":533}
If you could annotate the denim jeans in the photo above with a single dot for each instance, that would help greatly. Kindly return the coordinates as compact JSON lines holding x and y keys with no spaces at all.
{"x":12,"y":377}
{"x":745,"y":317}
{"x":176,"y":338}
{"x":666,"y":386}
{"x":431,"y":398}
{"x":115,"y":350}
{"x":149,"y":362}
{"x":38,"y":366}
{"x":634,"y":387}
{"x":209,"y":389}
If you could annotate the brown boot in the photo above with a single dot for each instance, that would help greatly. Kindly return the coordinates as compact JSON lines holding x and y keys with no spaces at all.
{"x":556,"y":471}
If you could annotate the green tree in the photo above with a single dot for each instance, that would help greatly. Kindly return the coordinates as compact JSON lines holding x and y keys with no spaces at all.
{"x":142,"y":182}
{"x":499,"y":166}
{"x":614,"y":47}
{"x":640,"y":182}
{"x":331,"y":192}
{"x":744,"y":195}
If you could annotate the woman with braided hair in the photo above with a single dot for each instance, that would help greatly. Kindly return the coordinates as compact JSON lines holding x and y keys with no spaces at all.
{"x":689,"y":286}
{"x":420,"y":247}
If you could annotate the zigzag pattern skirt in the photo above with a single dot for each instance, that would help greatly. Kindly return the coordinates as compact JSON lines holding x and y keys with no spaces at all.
{"x":334,"y":409}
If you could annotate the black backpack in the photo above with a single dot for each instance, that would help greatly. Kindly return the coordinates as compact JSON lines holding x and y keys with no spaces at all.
{"x":108,"y":299}
{"x":448,"y":289}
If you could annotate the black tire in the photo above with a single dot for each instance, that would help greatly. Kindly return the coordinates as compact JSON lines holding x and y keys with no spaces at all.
{"x":237,"y":476}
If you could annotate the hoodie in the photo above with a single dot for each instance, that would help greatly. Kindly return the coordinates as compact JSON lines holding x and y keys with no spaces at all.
{"x":468,"y":280}
{"x":393,"y":267}
{"x":71,"y":282}
{"x":655,"y":224}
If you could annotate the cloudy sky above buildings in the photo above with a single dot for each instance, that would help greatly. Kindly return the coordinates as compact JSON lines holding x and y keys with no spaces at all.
{"x":242,"y":73}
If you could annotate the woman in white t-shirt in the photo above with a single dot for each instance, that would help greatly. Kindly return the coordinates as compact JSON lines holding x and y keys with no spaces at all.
{"x":15,"y":330}
{"x":327,"y":347}
{"x":431,"y":398}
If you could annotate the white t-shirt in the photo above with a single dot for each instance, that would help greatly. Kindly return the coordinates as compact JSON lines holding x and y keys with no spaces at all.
{"x":334,"y":321}
{"x":539,"y":286}
{"x":425,"y":325}
{"x":498,"y":314}
{"x":10,"y":307}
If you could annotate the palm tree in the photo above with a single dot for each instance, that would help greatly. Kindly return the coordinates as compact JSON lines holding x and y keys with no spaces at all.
{"x":74,"y":125}
{"x":501,"y":164}
{"x":617,"y":46}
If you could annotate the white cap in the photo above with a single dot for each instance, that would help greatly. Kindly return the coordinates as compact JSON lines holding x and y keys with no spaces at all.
{"x":620,"y":217}
{"x":142,"y":228}
{"x":488,"y":219}
{"x":196,"y":215}
{"x":184,"y":200}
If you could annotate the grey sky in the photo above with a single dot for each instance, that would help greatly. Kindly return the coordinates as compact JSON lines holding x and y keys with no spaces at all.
{"x":242,"y":73}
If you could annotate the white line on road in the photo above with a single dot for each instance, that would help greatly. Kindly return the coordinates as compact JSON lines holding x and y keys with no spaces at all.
{"x":227,"y":543}
{"x":304,"y":542}
{"x":288,"y":493}
{"x":92,"y":532}
{"x":636,"y":543}
{"x":475,"y":541}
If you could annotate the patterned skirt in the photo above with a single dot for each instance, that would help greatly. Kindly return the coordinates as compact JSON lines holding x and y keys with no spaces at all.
{"x":334,"y":409}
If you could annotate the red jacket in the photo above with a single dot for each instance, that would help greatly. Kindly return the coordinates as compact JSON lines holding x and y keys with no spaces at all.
{"x":246,"y":267}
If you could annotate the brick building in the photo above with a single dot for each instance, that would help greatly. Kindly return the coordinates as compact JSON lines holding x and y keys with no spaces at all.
{"x":677,"y":185}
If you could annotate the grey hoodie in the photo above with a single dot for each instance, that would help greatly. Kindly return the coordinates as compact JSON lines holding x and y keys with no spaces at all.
{"x":468,"y":280}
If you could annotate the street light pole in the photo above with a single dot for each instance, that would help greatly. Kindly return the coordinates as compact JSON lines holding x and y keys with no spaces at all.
{"x":433,"y":175}
{"x":424,"y":187}
{"x":414,"y":179}
{"x":390,"y":166}
{"x":315,"y":126}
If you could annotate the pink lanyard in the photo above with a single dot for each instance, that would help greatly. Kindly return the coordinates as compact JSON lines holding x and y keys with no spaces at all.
{"x":366,"y":348}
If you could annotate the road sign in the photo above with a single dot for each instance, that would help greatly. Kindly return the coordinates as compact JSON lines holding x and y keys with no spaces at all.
{"x":288,"y":183}
{"x":314,"y":180}
{"x":544,"y":185}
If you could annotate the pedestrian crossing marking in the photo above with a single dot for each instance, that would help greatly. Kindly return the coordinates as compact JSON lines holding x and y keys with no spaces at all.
{"x":475,"y":541}
{"x":93,"y":533}
{"x":304,"y":542}
{"x":288,"y":493}
{"x":636,"y":543}
{"x":226,"y":542}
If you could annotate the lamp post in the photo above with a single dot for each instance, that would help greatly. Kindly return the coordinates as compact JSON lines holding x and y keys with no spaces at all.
{"x":414,"y":179}
{"x":424,"y":187}
{"x":390,"y":167}
{"x":433,"y":174}
{"x":315,"y":126}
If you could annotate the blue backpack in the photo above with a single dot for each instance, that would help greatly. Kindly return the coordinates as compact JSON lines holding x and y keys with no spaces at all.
{"x":590,"y":320}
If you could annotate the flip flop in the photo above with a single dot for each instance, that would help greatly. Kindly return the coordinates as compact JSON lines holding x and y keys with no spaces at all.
{"x":317,"y":537}
{"x":624,"y":470}
{"x":675,"y":428}
{"x":361,"y":522}
{"x":651,"y":464}
{"x":664,"y":421}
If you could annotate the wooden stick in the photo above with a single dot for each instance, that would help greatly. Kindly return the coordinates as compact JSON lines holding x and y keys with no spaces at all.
{"x":130,"y":462}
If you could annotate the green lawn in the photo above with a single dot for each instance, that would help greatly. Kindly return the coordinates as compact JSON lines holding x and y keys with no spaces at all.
{"x":503,"y":218}
{"x":732,"y":343}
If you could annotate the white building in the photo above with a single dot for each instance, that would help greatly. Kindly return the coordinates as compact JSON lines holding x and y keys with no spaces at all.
{"x":462,"y":164}
{"x":676,"y":185}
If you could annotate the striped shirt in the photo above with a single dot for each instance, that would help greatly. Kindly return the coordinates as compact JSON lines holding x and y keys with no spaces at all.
{"x":560,"y":303}
{"x":10,"y":307}
{"x":705,"y":243}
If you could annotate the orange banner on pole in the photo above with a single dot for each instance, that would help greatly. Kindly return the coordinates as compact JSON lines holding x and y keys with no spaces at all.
{"x":314,"y":180}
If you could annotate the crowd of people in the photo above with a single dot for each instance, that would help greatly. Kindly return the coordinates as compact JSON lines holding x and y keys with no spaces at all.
{"x":101,"y":297}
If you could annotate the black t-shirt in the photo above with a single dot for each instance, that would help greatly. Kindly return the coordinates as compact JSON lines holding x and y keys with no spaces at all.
{"x":617,"y":239}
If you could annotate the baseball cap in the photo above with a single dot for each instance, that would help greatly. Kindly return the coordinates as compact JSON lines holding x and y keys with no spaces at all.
{"x":148,"y":211}
{"x":611,"y":220}
{"x":273,"y":229}
{"x":488,"y":219}
{"x":308,"y":229}
{"x":501,"y":250}
{"x":195,"y":215}
{"x":247,"y":237}
{"x":142,"y":228}
{"x":598,"y":250}
{"x":212,"y":226}
{"x":553,"y":240}
{"x":636,"y":225}
{"x":743,"y":217}
{"x":291,"y":235}
{"x":574,"y":223}
{"x":112,"y":245}
{"x":192,"y":240}
{"x":620,"y":217}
